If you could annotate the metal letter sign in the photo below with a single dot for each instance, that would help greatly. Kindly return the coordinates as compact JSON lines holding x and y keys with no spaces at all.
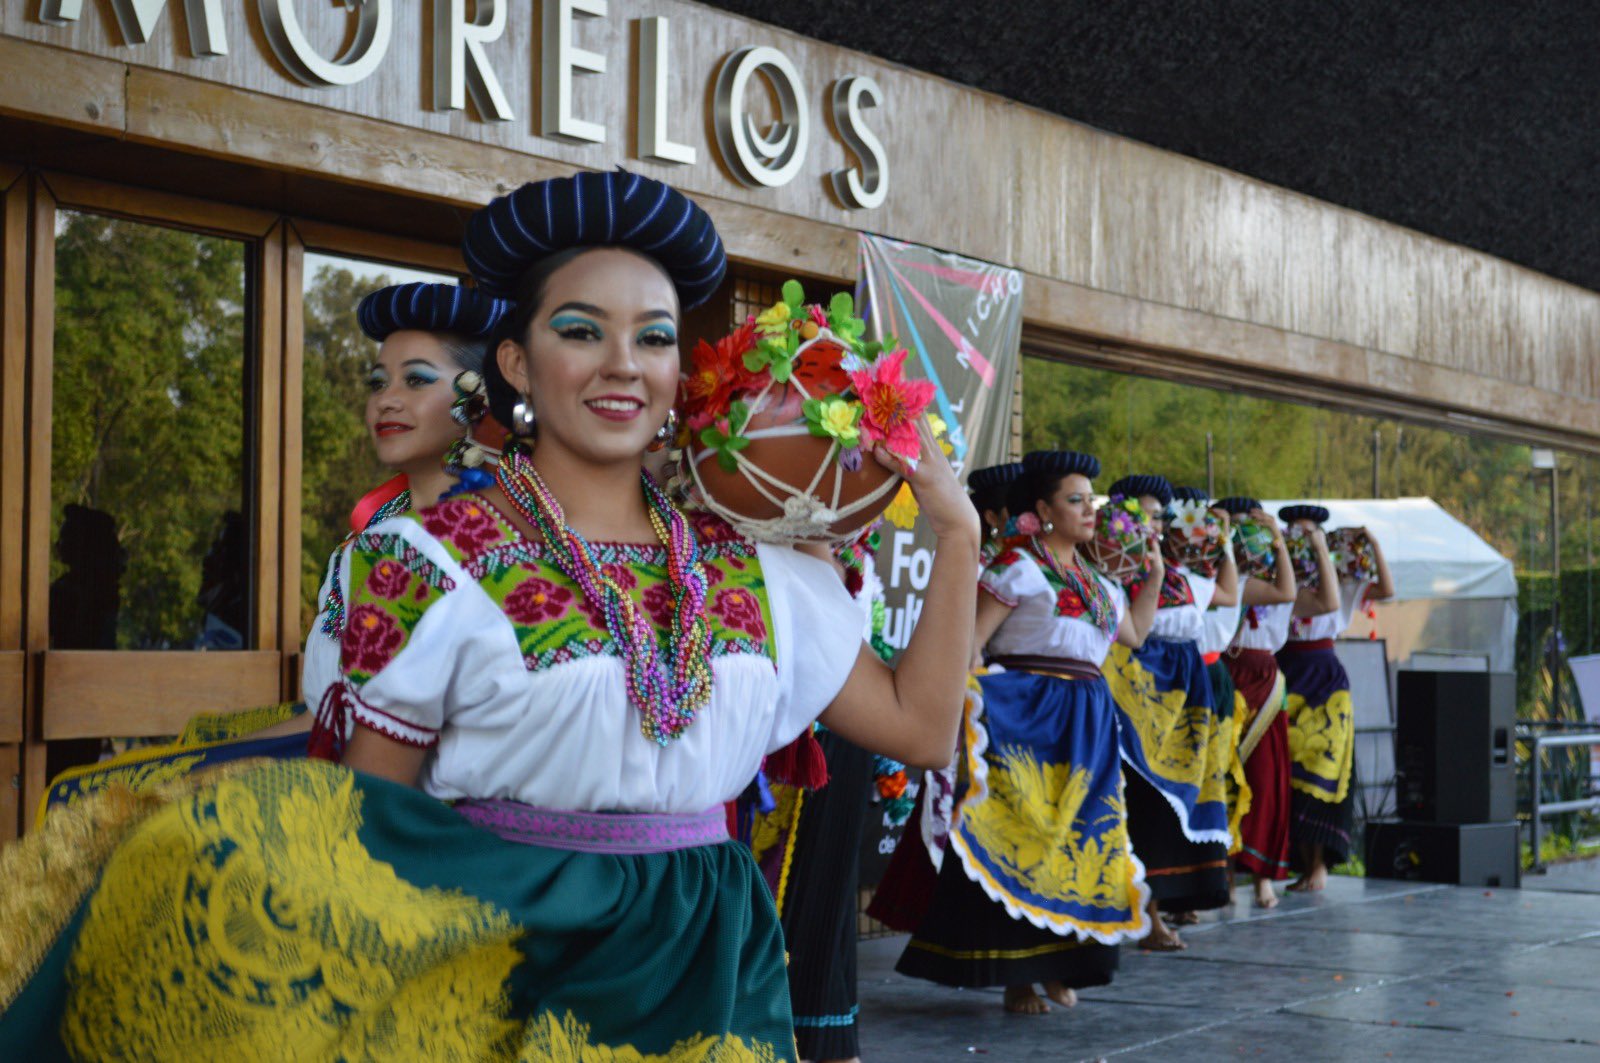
{"x":137,"y":18}
{"x":775,"y":158}
{"x":864,"y":188}
{"x":375,"y":22}
{"x":459,"y":64}
{"x":654,"y":78}
{"x":558,"y":58}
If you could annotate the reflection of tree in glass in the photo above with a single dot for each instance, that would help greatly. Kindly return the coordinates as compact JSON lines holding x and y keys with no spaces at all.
{"x":1274,"y":449}
{"x":337,"y":462}
{"x":147,"y":419}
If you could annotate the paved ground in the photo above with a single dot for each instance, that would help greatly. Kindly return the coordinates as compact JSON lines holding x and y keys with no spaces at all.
{"x":1369,"y":970}
{"x":1574,"y":876}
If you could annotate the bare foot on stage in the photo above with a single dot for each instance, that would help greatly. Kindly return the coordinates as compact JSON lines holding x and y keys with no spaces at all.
{"x":1265,"y":897}
{"x":1313,"y":882}
{"x":1185,"y":918}
{"x":1064,"y":995}
{"x":1162,"y":938}
{"x":1022,"y":1000}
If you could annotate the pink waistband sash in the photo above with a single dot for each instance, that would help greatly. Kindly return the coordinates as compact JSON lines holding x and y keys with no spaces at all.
{"x":619,"y":833}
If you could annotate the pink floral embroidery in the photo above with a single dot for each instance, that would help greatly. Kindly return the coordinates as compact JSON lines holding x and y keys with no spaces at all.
{"x":371,"y":639}
{"x":1070,"y":603}
{"x":621,"y":575}
{"x":710,"y":528}
{"x":714,"y":575}
{"x":388,"y":580}
{"x":535,"y":600}
{"x":740,"y":610}
{"x":465,"y":522}
{"x":658,"y":603}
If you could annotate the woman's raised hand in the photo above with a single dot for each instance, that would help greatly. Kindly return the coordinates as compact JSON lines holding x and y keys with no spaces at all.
{"x":939,"y":494}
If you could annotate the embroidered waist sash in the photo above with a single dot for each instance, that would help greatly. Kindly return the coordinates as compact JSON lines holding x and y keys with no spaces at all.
{"x":1063,"y":667}
{"x":617,"y":833}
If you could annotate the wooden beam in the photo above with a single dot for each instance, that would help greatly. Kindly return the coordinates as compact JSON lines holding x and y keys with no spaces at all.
{"x":291,"y":440}
{"x":131,"y":693}
{"x":13,"y":691}
{"x":10,"y":792}
{"x":149,"y":206}
{"x":37,"y":533}
{"x":264,"y":365}
{"x":343,"y":240}
{"x":13,"y":403}
{"x":55,"y":85}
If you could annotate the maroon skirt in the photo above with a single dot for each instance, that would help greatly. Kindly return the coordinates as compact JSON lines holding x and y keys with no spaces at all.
{"x":1264,"y":832}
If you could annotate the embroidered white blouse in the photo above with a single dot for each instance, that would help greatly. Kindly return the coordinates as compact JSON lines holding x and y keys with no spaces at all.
{"x":1331,"y":625}
{"x":1046,"y":619}
{"x":1184,"y":623}
{"x":463,"y":637}
{"x":1220,"y":622}
{"x":1265,"y":627}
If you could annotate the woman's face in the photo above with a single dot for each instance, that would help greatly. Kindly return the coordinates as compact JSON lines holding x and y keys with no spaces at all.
{"x":601,"y":356}
{"x":1071,"y":509}
{"x":1153,"y":509}
{"x":409,"y":395}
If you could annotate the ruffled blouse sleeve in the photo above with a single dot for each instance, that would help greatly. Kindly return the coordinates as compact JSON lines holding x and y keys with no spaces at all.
{"x":413,"y":652}
{"x":1008,"y":579}
{"x":817,"y":637}
{"x":319,"y":668}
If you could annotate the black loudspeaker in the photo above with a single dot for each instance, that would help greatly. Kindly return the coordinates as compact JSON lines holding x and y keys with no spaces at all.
{"x":1453,"y":747}
{"x":1462,"y":854}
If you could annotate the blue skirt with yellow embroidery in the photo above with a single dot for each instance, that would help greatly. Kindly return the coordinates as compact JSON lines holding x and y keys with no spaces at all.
{"x":1172,"y":734}
{"x":299,"y":910}
{"x":1321,"y":748}
{"x":1039,"y":883}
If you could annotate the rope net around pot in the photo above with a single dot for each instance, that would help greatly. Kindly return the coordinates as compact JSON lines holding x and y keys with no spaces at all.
{"x":779,"y":415}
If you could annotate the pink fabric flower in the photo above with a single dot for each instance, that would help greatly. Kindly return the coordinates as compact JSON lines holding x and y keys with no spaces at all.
{"x":388,"y":580}
{"x":371,"y":639}
{"x":892,"y":404}
{"x":536,"y":600}
{"x":740,"y":610}
{"x":466,"y":522}
{"x":1028,"y":524}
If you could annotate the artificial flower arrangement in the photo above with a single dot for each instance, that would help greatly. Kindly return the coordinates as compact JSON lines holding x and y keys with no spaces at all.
{"x":779,"y":416}
{"x":1353,"y":558}
{"x":1194,"y":538}
{"x":1122,"y":538}
{"x":1253,"y":549}
{"x":1303,"y":556}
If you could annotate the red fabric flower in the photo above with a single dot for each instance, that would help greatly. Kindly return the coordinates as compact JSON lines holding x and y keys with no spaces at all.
{"x":716,"y":375}
{"x":740,"y":610}
{"x":465,"y":522}
{"x":371,"y":639}
{"x":1070,"y":603}
{"x":388,"y":580}
{"x":892,"y":404}
{"x":536,"y":600}
{"x":1009,"y":557}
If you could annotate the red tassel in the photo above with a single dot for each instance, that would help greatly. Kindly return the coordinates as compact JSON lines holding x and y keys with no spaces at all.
{"x":329,"y":727}
{"x":800,"y":763}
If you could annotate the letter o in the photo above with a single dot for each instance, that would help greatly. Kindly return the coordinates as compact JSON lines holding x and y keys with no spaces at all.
{"x":756,"y":159}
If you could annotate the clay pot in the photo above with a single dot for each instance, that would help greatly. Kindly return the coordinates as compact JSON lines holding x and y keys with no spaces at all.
{"x":784,"y":449}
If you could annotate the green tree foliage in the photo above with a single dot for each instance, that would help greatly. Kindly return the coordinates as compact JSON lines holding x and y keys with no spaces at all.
{"x":337,"y":463}
{"x":1274,"y":449}
{"x":147,"y":405}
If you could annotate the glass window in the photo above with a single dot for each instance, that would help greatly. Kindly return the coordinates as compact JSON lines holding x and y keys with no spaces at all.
{"x":336,"y":460}
{"x":148,"y":488}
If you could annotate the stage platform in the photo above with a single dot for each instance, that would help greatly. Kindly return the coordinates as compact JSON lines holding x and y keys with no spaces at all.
{"x":1368,"y":970}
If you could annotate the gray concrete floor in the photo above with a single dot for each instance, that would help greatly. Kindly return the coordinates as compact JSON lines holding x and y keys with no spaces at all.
{"x":1368,"y":970}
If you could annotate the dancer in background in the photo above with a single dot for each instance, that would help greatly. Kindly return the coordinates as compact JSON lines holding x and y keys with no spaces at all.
{"x":425,"y":395}
{"x":1263,"y":742}
{"x":988,"y":487}
{"x":1321,"y":733}
{"x":1172,"y":739}
{"x":1039,"y":884}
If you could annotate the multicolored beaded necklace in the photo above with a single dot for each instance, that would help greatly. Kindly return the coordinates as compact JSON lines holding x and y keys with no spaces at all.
{"x":667,"y":687}
{"x":1096,"y":599}
{"x":333,"y":604}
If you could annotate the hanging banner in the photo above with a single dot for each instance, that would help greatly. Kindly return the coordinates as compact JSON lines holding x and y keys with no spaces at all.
{"x":961,"y":319}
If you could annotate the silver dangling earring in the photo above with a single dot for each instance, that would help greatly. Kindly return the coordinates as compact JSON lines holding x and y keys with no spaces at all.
{"x":1049,"y":526}
{"x":666,"y":433}
{"x":523,"y":422}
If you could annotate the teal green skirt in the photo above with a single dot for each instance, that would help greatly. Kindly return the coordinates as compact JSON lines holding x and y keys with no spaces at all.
{"x":297,"y":910}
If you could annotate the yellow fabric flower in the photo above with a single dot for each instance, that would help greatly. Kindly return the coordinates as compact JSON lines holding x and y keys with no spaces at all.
{"x":936,"y":423}
{"x":902,"y":512}
{"x":838,"y":418}
{"x":773,"y":319}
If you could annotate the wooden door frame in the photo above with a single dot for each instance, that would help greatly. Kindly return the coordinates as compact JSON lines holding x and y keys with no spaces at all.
{"x":13,"y":486}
